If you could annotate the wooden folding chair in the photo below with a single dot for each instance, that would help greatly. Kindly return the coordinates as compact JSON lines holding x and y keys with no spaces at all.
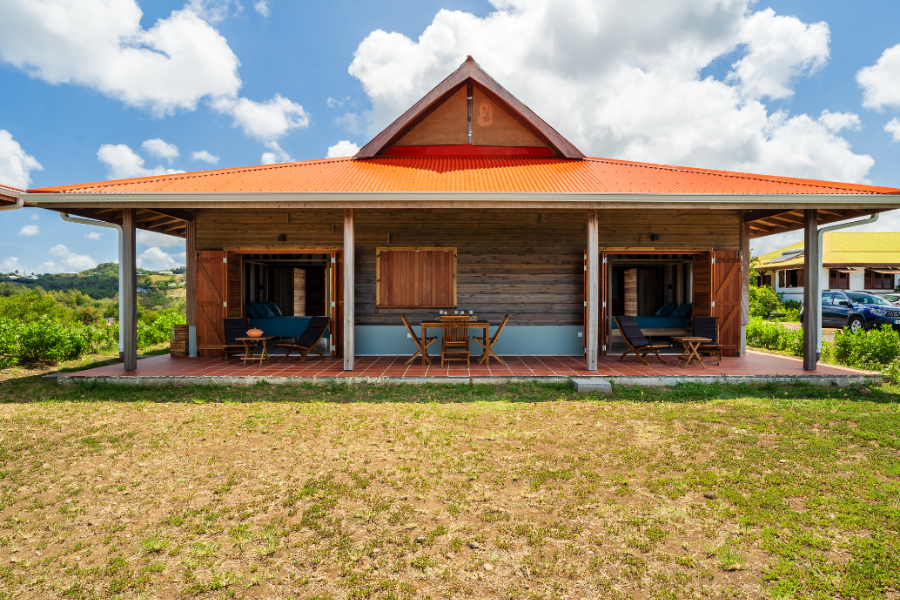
{"x":708,"y":327}
{"x":488,"y":348}
{"x":421,"y":344}
{"x":636,"y":341}
{"x":455,"y":343}
{"x":308,"y":340}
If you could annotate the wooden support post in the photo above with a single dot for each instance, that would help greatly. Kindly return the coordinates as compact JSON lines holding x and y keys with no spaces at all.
{"x":190,"y":282}
{"x":349,"y":255}
{"x":745,"y":282}
{"x":811,"y":294}
{"x":593,"y":295}
{"x":128,"y":273}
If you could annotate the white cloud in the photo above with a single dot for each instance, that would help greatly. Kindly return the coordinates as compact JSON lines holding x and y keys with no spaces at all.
{"x":152,"y":238}
{"x":30,"y":230}
{"x":205,"y":157}
{"x":893,"y":128}
{"x":161,"y":149}
{"x":779,"y":49}
{"x":10,"y":264}
{"x":836,"y":121}
{"x":881,"y":81}
{"x":262,"y":7}
{"x":35,"y":217}
{"x":640,"y":96}
{"x":342,"y":148}
{"x":212,"y":11}
{"x":94,"y":235}
{"x":349,"y":121}
{"x":154,"y":258}
{"x":123,"y":163}
{"x":16,"y":165}
{"x":68,"y":262}
{"x":265,"y":121}
{"x":101,"y":44}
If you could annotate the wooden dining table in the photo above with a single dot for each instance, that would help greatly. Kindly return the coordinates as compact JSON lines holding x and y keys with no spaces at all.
{"x":483,"y":325}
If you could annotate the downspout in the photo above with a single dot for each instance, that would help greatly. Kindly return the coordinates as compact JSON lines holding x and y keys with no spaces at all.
{"x":822,"y":231}
{"x":66,"y":217}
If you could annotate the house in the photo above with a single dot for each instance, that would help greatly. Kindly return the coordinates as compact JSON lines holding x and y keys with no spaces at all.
{"x":851,"y":260}
{"x":467,"y":201}
{"x":140,"y":290}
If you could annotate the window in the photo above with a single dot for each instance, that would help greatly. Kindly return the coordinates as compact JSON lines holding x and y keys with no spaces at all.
{"x":878,"y":281}
{"x":790,"y":279}
{"x":826,"y":298}
{"x":415,"y":277}
{"x":838,"y":280}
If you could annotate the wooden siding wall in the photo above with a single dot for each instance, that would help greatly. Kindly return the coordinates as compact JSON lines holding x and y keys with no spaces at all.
{"x":528,"y":263}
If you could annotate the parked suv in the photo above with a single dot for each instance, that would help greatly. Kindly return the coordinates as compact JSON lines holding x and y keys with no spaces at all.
{"x":857,"y":310}
{"x":892,"y":298}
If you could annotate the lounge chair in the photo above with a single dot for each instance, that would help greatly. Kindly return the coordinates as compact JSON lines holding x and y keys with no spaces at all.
{"x":308,"y":340}
{"x":234,"y":328}
{"x":488,"y":348}
{"x":421,"y":344}
{"x":455,"y":343}
{"x":636,"y":341}
{"x":708,"y":327}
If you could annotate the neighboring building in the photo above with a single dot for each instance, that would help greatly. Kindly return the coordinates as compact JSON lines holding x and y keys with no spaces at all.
{"x":166,"y":273}
{"x":851,"y":260}
{"x":141,"y":290}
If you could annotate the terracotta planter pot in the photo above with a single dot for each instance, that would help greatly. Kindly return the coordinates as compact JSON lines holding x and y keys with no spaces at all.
{"x":255,"y":333}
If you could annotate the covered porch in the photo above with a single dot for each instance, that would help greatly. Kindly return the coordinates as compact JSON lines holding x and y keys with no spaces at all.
{"x":754,"y":367}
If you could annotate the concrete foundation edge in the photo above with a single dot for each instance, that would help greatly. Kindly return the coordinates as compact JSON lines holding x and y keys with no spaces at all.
{"x":817,"y":380}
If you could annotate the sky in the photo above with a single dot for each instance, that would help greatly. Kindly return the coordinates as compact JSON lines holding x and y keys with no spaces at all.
{"x":104,"y":89}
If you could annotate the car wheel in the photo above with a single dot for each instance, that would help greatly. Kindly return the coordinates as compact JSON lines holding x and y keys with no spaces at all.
{"x":856,"y":324}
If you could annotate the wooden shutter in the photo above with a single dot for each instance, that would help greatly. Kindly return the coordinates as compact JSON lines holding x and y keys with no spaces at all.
{"x":234,"y":285}
{"x":702,"y":285}
{"x":584,"y":336}
{"x":210,"y":293}
{"x":603,"y":327}
{"x":415,"y":278}
{"x":631,"y":293}
{"x":832,"y":279}
{"x":799,"y":278}
{"x":781,"y":279}
{"x":337,"y":309}
{"x":726,"y":285}
{"x":868,"y":280}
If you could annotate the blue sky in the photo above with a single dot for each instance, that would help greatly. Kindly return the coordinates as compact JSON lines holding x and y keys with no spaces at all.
{"x":742,"y":86}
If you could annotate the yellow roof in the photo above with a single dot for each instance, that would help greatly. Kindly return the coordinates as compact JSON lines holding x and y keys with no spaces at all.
{"x":843,"y":248}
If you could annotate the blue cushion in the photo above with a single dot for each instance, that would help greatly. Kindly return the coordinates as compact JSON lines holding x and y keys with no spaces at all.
{"x":264,"y":311}
{"x":667,"y":310}
{"x":683,"y":311}
{"x":251,"y":311}
{"x":274,"y":308}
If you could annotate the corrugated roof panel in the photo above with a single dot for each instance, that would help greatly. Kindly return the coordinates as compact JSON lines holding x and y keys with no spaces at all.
{"x":845,"y":248}
{"x":469,"y":174}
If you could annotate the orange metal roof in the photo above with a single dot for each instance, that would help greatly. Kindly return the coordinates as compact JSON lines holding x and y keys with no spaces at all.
{"x":9,"y":187}
{"x":469,"y":174}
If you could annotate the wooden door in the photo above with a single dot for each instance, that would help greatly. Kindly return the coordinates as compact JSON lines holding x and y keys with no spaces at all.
{"x":210,"y":286}
{"x":337,"y":303}
{"x":701,"y":288}
{"x":726,"y":294}
{"x":603,"y":326}
{"x":234,"y":285}
{"x":584,"y":336}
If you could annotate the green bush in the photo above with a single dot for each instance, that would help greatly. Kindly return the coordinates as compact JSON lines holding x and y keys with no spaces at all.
{"x":763,"y":301}
{"x":9,"y":342}
{"x":160,"y":330}
{"x":774,"y":336}
{"x":874,"y":349}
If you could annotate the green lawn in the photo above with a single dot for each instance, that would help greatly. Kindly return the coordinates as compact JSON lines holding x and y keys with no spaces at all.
{"x":510,"y":491}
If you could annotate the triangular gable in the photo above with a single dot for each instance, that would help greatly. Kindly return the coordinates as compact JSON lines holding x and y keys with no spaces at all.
{"x":500,"y":123}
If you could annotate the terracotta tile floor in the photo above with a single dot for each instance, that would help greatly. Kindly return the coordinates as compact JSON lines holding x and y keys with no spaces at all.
{"x":754,"y":363}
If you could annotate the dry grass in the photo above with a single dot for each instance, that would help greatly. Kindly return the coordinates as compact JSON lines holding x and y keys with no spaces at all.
{"x":290,"y":493}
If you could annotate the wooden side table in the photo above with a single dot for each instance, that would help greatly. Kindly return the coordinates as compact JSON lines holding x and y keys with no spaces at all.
{"x":249,"y":346}
{"x":690,"y":354}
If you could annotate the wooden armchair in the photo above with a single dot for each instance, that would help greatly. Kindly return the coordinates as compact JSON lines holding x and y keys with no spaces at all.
{"x":421,"y":344}
{"x":708,"y":327}
{"x":234,"y":328}
{"x":455,"y":343}
{"x":488,"y":348}
{"x":636,"y":341}
{"x":308,"y":340}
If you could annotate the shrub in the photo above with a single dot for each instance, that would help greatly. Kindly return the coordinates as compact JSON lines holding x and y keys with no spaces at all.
{"x":774,"y":336}
{"x":9,"y":342}
{"x":763,"y":301}
{"x":160,"y":330}
{"x":875,"y":349}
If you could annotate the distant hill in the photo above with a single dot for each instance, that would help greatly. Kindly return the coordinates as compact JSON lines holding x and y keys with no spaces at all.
{"x":100,"y":282}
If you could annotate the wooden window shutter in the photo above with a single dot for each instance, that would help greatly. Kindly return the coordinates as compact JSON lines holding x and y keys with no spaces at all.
{"x":868,"y":280}
{"x":832,"y":278}
{"x":781,"y":279}
{"x":799,"y":278}
{"x":415,"y":278}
